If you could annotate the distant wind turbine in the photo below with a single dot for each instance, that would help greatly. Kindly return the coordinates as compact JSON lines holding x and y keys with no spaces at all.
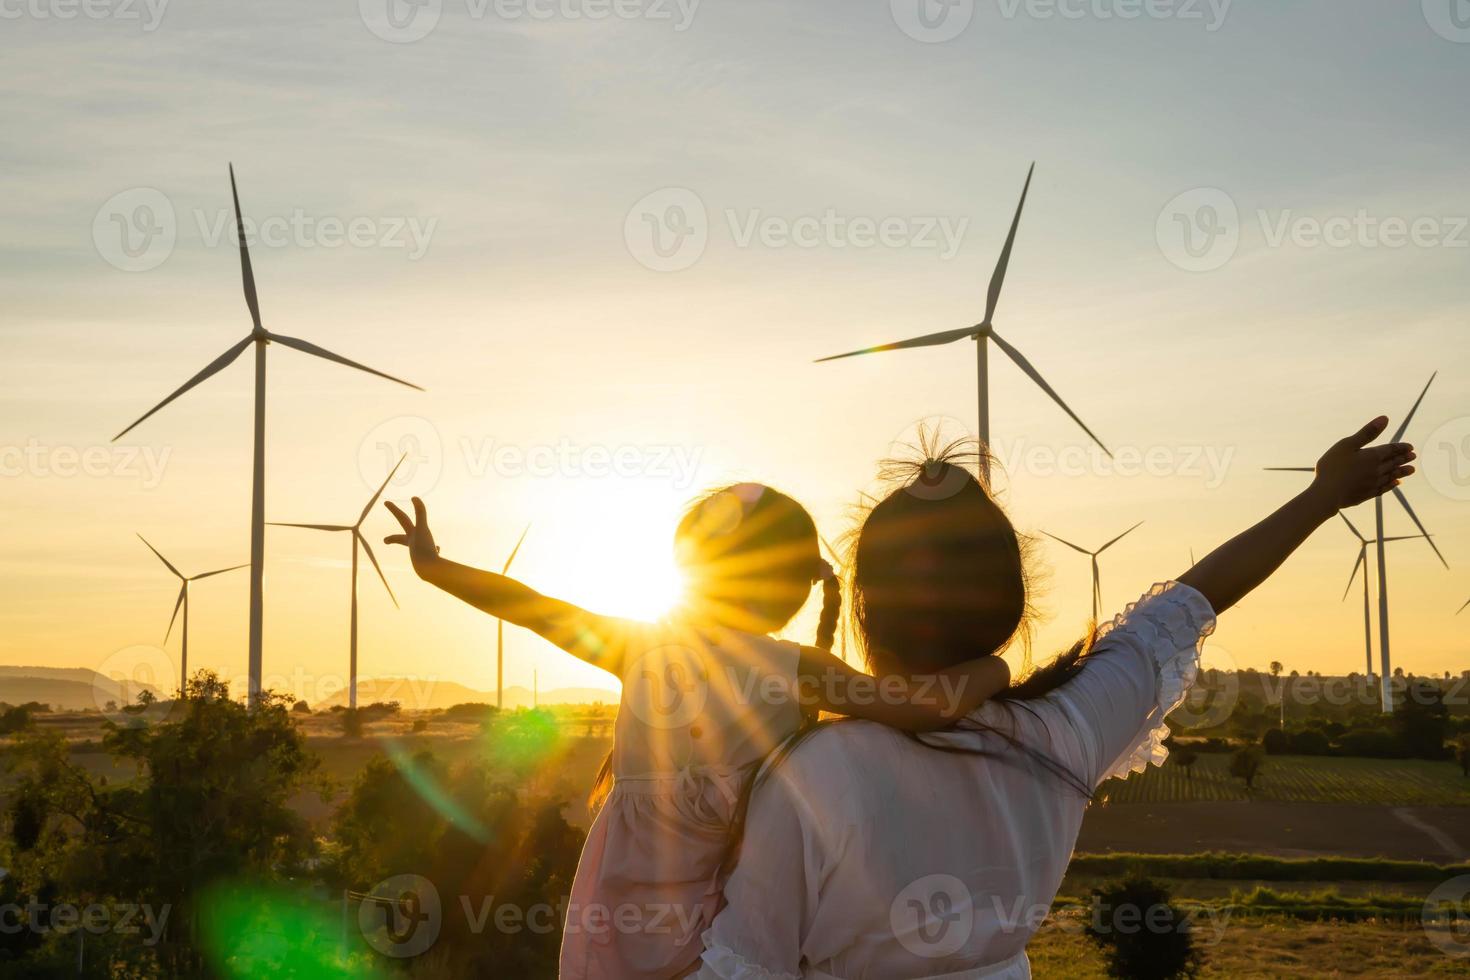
{"x":982,"y":333}
{"x":259,"y":338}
{"x":1096,"y":581}
{"x":500,"y":630}
{"x":183,"y":602}
{"x":358,"y":540}
{"x":1362,"y":563}
{"x":1385,"y":660}
{"x":1463,"y":608}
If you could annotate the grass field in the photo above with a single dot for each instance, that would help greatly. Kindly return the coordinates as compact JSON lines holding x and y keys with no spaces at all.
{"x":1300,"y":779}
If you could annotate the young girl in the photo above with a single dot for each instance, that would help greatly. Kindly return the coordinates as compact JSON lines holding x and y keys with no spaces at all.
{"x":707,"y":694}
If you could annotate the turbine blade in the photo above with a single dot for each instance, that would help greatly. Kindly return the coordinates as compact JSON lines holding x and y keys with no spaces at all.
{"x":1404,"y":426}
{"x":1069,"y":544}
{"x":1120,"y":537}
{"x":246,"y":273}
{"x":1420,"y":525}
{"x":166,"y":562}
{"x":928,"y":340}
{"x":177,"y":604}
{"x":998,"y":278}
{"x":1356,"y":533}
{"x":376,"y":567}
{"x":1463,"y":608}
{"x":1290,"y":469}
{"x":322,"y":352}
{"x":1362,"y":561}
{"x":831,"y":551}
{"x":516,"y":550}
{"x":313,"y":527}
{"x":391,"y":473}
{"x":1405,"y":537}
{"x":220,"y":571}
{"x":1035,"y":376}
{"x":212,"y":368}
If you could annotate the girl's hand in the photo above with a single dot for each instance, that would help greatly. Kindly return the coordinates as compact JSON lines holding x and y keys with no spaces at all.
{"x":416,"y":534}
{"x":1348,"y":474}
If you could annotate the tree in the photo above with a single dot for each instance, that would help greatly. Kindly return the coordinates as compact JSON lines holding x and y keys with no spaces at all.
{"x":1186,"y":756}
{"x":1246,"y":764}
{"x":210,"y":804}
{"x":1462,"y":754}
{"x":1275,"y":668}
{"x":1144,"y":936}
{"x":1422,"y":721}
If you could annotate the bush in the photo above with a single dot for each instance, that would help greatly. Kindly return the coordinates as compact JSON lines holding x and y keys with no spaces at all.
{"x":1143,"y":936}
{"x":1276,"y":742}
{"x":1310,"y":742}
{"x":1371,"y":744}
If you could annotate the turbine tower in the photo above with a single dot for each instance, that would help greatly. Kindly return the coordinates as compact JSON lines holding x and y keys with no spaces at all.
{"x":1385,"y":660}
{"x":1362,"y":563}
{"x":983,"y":333}
{"x":259,"y":338}
{"x":358,"y":540}
{"x":500,"y":630}
{"x":183,"y":602}
{"x":1096,"y":580}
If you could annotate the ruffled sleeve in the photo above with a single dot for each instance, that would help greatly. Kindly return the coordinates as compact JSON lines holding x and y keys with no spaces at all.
{"x":1141,"y":667}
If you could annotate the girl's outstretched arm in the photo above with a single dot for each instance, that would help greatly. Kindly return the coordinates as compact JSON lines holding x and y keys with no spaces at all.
{"x":917,"y":702}
{"x":599,"y":640}
{"x":1347,"y":475}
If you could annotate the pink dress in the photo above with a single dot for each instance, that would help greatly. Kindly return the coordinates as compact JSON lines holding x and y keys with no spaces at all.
{"x":701,"y":707}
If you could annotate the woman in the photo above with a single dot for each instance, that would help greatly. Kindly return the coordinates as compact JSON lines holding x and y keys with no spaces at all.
{"x":868,"y":854}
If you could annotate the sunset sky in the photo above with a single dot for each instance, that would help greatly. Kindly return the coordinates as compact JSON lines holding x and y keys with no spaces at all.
{"x":476,"y":209}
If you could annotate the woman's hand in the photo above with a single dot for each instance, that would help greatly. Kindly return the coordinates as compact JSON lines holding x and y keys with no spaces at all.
{"x":416,"y":535}
{"x":1348,"y":474}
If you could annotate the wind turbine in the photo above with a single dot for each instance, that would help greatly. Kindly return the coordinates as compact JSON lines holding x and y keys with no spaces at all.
{"x":259,"y":338}
{"x":1096,"y":583}
{"x":982,"y":333}
{"x":500,"y":630}
{"x":358,"y":540}
{"x":1362,"y":563}
{"x":183,"y":602}
{"x":1385,"y":678}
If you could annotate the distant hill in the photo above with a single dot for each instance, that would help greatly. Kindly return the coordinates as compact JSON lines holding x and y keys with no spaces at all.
{"x":419,"y":694}
{"x":67,"y":688}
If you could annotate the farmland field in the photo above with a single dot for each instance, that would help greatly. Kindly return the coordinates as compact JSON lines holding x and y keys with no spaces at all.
{"x":1299,"y":779}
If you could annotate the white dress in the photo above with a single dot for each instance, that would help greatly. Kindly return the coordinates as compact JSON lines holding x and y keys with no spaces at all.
{"x":871,"y":857}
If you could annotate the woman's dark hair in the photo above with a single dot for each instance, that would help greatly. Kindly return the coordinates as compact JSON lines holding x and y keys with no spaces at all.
{"x":749,"y":555}
{"x":939,"y":576}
